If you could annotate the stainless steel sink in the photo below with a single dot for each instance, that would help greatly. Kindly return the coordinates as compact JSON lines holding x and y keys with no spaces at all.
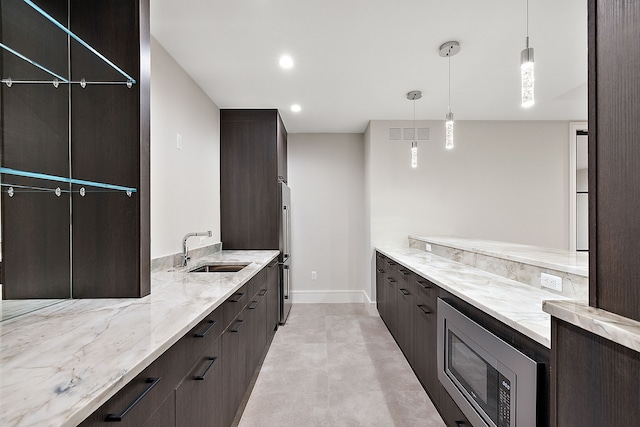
{"x":218,"y":268}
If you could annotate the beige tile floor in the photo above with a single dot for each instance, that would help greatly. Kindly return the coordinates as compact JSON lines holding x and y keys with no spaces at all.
{"x":336,"y":365}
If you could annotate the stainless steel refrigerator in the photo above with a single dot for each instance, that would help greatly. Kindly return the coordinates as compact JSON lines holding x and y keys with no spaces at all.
{"x":285,"y":252}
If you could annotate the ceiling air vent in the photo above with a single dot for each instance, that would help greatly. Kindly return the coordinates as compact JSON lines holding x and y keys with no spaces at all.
{"x":395,"y":134}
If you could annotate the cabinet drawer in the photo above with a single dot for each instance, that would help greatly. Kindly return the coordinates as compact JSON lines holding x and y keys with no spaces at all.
{"x":234,"y":304}
{"x":137,"y":401}
{"x":199,"y":396}
{"x":205,"y":333}
{"x":426,"y":291}
{"x":256,"y":283}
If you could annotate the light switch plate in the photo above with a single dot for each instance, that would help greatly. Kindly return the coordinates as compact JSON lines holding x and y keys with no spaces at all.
{"x":427,"y":247}
{"x":179,"y":141}
{"x":550,"y":281}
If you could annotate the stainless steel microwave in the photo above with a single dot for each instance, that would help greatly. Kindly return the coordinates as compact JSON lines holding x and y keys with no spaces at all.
{"x":493,"y":383}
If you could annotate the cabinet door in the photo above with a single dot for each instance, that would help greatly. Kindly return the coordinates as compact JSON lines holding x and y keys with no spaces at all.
{"x":257,"y":338}
{"x":380,"y":282}
{"x":234,"y":358}
{"x":391,"y":297}
{"x":424,"y":339}
{"x":273,"y":273}
{"x":165,"y":415}
{"x":199,"y":396}
{"x":404,"y":313}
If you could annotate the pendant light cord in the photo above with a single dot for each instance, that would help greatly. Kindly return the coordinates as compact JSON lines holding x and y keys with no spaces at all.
{"x":449,"y":57}
{"x":415,"y":137}
{"x":527,"y":15}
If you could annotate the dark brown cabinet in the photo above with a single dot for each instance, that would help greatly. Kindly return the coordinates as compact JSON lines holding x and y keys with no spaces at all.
{"x":199,"y":396}
{"x":273,"y":275}
{"x":253,"y":147}
{"x":404,"y":318}
{"x":408,"y":305}
{"x":594,"y":380}
{"x":424,"y":334}
{"x":92,"y":132}
{"x":201,"y":380}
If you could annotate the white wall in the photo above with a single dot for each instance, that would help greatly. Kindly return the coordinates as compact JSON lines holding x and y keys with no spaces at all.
{"x":326,"y":176}
{"x":504,"y":181}
{"x":185,"y":184}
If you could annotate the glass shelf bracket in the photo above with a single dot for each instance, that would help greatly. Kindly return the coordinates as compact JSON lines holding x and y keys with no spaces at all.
{"x":55,"y":178}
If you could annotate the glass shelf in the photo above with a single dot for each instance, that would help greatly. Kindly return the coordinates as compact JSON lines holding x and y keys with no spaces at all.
{"x":92,"y":184}
{"x":130,"y":81}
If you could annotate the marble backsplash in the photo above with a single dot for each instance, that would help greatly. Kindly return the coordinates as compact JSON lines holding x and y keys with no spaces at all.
{"x":170,"y":261}
{"x":574,"y":286}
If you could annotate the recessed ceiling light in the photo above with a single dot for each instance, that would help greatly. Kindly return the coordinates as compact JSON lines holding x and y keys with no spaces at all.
{"x":286,"y":61}
{"x":296,"y":108}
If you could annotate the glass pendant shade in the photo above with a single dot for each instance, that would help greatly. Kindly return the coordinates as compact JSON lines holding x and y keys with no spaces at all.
{"x":449,"y":131}
{"x":526,"y":70}
{"x":414,"y":154}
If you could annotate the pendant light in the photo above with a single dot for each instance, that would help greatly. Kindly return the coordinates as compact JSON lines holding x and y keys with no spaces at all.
{"x":413,"y":96}
{"x":526,"y":70}
{"x":448,"y":50}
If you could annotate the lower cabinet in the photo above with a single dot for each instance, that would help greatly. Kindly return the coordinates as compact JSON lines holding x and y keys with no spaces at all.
{"x":408,"y":305}
{"x":201,"y":380}
{"x":199,"y":395}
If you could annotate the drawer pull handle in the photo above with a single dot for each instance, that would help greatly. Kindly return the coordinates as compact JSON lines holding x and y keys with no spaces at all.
{"x":263,"y":292}
{"x":391,"y":263}
{"x":379,"y":270}
{"x":151,"y":384}
{"x":212,"y":323}
{"x":236,"y":297}
{"x":403,"y":272}
{"x":255,"y":304}
{"x":460,"y":423}
{"x":391,"y":280}
{"x":423,"y":284}
{"x":237,"y":327}
{"x":212,"y":361}
{"x":424,"y":309}
{"x":405,"y":292}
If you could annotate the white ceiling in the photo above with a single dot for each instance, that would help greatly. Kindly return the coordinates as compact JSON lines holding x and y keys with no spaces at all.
{"x":355,"y":60}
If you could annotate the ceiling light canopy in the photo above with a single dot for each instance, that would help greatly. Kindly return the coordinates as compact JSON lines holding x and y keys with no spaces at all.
{"x":286,"y":62}
{"x":296,"y":108}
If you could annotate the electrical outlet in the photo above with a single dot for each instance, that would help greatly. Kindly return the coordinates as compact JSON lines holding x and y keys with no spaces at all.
{"x":202,"y":240}
{"x":179,"y":141}
{"x":550,"y":281}
{"x":427,"y":247}
{"x":314,"y":275}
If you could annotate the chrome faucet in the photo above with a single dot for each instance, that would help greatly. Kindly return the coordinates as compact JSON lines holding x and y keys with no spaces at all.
{"x":185,"y":250}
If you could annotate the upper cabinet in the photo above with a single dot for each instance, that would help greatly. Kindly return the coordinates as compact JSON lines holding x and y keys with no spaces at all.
{"x":253,"y":158}
{"x":614,"y":156}
{"x":75,"y":148}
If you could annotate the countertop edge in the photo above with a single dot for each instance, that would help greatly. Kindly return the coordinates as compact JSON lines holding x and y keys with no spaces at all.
{"x":457,"y":243}
{"x":525,"y":330}
{"x":613,"y":327}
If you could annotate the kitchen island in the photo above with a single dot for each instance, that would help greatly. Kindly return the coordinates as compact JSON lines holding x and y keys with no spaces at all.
{"x":60,"y":363}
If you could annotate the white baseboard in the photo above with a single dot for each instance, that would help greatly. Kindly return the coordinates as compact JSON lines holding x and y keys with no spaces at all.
{"x":314,"y":297}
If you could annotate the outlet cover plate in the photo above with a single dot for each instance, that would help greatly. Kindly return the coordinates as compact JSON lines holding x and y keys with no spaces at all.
{"x":550,"y":281}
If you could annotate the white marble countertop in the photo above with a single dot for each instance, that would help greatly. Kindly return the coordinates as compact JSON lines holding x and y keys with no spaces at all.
{"x":513,"y":303}
{"x":613,"y":327}
{"x":556,"y":259}
{"x":61,"y":363}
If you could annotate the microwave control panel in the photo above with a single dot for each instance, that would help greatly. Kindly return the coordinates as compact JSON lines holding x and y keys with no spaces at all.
{"x":504,"y":401}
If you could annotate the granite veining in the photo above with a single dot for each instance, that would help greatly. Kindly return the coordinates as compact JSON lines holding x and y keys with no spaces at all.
{"x":513,"y":303}
{"x":616,"y":328}
{"x":60,"y":363}
{"x":556,"y":259}
{"x":487,"y":255}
